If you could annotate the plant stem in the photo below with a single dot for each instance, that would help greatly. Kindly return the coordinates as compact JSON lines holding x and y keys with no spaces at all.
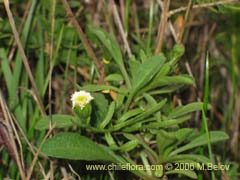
{"x":204,"y":110}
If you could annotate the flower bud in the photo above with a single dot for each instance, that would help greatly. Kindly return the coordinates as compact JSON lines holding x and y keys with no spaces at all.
{"x":81,"y":105}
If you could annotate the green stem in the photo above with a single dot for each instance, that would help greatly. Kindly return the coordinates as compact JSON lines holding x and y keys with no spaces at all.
{"x":204,"y":110}
{"x":125,"y":75}
{"x":129,"y":100}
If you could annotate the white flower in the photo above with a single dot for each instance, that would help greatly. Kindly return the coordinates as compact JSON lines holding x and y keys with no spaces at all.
{"x":81,"y":99}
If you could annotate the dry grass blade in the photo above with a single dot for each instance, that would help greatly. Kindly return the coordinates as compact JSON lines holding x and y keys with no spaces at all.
{"x":202,"y":5}
{"x":179,"y":40}
{"x":120,"y":27}
{"x":74,"y":172}
{"x":6,"y":140}
{"x":24,"y":57}
{"x":29,"y":144}
{"x":162,"y":26}
{"x":29,"y":174}
{"x":7,"y":136}
{"x":12,"y":51}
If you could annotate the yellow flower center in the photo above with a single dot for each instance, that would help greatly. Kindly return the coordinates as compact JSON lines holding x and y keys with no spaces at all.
{"x":81,"y":100}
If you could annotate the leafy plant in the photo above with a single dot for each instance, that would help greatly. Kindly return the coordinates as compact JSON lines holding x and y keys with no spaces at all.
{"x":133,"y":116}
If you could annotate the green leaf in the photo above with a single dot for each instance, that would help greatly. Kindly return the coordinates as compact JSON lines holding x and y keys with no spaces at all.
{"x":100,"y":107}
{"x":60,"y":121}
{"x":134,"y":66}
{"x":163,"y":71}
{"x":108,"y":117}
{"x":167,"y":123}
{"x":143,"y":116}
{"x":165,"y":90}
{"x":130,"y":136}
{"x":164,"y":141}
{"x":168,"y":140}
{"x":142,"y":55}
{"x":120,"y":98}
{"x":132,"y":128}
{"x":182,"y":133}
{"x":130,"y":114}
{"x":177,"y":52}
{"x":185,"y":172}
{"x":114,"y":77}
{"x":75,"y":147}
{"x":12,"y":88}
{"x":110,"y":141}
{"x":74,"y":4}
{"x":169,"y":80}
{"x":130,"y":145}
{"x":112,"y":45}
{"x":5,"y":67}
{"x":182,"y":110}
{"x":193,"y":157}
{"x":180,"y":79}
{"x":215,"y":136}
{"x":95,"y":88}
{"x":147,"y":71}
{"x":152,"y":102}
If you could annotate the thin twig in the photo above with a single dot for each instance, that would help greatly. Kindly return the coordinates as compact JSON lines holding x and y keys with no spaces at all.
{"x":17,"y":138}
{"x":28,"y":143}
{"x":7,"y":119}
{"x":64,"y":173}
{"x":202,"y":5}
{"x":85,"y":41}
{"x":173,"y":31}
{"x":96,"y":16}
{"x":181,"y":32}
{"x":51,"y":170}
{"x":14,"y":46}
{"x":29,"y":174}
{"x":162,"y":26}
{"x":120,"y":27}
{"x":74,"y":172}
{"x":174,"y":34}
{"x":24,"y":57}
{"x":122,"y":10}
